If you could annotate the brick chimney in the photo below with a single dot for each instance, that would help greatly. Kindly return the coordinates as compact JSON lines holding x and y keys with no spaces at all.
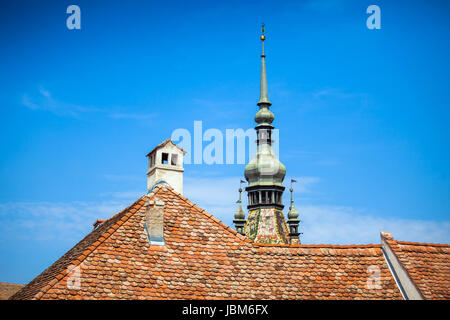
{"x":154,"y":221}
{"x":165,"y":164}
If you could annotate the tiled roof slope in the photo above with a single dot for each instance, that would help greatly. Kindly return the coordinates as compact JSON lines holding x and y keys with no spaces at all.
{"x":8,"y":289}
{"x":50,"y":276}
{"x":427,"y":264}
{"x":205,"y":259}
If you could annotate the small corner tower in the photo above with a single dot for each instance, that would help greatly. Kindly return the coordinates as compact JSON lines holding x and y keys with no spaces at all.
{"x":239,"y":216}
{"x":165,"y":163}
{"x":265,"y":175}
{"x":293,"y":220}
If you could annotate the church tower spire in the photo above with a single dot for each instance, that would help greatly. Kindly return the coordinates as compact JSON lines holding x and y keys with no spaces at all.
{"x":265,"y":175}
{"x":263,"y":94}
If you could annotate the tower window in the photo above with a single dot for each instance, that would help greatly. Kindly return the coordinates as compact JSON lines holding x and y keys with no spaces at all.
{"x":165,"y":158}
{"x":263,"y":197}
{"x":173,"y":159}
{"x":255,"y":198}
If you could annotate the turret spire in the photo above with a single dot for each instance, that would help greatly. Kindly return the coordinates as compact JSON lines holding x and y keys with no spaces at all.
{"x":263,"y":96}
{"x":265,"y":174}
{"x":293,"y":220}
{"x":239,"y":216}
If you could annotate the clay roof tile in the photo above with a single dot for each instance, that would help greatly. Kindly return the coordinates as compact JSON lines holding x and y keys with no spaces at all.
{"x":205,"y":259}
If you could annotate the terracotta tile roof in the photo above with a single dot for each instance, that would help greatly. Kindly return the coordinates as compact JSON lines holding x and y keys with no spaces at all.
{"x":8,"y":289}
{"x":427,"y":264}
{"x":205,"y":259}
{"x":49,"y":276}
{"x":97,"y":223}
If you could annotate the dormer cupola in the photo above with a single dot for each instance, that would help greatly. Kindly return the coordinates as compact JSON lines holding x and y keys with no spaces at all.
{"x":165,"y":164}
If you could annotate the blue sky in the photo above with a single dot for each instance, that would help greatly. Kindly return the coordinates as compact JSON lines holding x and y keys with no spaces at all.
{"x":362,"y":113}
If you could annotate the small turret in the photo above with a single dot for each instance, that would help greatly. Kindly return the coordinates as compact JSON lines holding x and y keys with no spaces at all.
{"x":239,"y":216}
{"x":293,"y":220}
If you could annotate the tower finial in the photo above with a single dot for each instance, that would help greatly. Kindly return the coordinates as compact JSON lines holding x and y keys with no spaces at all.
{"x":263,"y":95}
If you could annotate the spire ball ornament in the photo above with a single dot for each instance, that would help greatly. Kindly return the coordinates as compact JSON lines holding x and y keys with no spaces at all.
{"x":263,"y":37}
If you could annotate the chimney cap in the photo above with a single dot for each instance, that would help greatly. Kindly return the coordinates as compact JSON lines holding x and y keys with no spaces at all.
{"x":162,"y":144}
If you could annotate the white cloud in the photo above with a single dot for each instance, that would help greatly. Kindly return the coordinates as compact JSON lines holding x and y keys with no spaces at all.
{"x":214,"y":191}
{"x":218,"y":195}
{"x":320,"y":224}
{"x":71,"y":221}
{"x":304,"y":184}
{"x":45,"y":102}
{"x":345,"y":225}
{"x":44,"y":92}
{"x":44,"y":221}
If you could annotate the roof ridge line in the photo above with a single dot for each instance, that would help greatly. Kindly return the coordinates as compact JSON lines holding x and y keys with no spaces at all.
{"x":332,"y":246}
{"x":423,"y":243}
{"x":77,"y":261}
{"x":210,"y":216}
{"x":246,"y":240}
{"x":125,"y":209}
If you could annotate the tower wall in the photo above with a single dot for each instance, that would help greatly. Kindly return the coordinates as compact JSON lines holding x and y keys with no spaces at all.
{"x":166,"y":165}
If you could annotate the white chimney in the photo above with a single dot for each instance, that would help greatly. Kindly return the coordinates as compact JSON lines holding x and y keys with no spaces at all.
{"x":166,"y":165}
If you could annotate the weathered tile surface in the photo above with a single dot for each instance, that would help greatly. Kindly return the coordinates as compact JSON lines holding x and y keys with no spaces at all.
{"x":427,"y":264}
{"x":205,"y":259}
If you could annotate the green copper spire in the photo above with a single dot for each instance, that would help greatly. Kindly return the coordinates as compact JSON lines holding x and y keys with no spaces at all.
{"x":264,"y":173}
{"x":239,"y":216}
{"x":263,"y":95}
{"x":293,"y":220}
{"x":293,"y":213}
